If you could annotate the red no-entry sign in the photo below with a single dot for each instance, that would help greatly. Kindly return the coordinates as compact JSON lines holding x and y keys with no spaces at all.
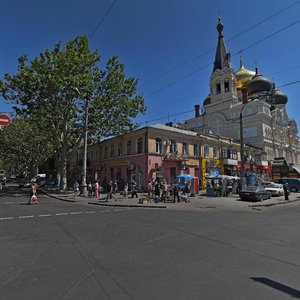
{"x":4,"y":120}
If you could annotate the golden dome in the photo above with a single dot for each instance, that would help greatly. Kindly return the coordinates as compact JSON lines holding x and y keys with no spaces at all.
{"x":243,"y":76}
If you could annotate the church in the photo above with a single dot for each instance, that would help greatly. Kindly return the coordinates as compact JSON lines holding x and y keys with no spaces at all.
{"x":246,"y":106}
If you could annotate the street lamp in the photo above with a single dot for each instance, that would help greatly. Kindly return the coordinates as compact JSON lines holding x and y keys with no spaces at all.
{"x":83,"y":186}
{"x":243,"y":177}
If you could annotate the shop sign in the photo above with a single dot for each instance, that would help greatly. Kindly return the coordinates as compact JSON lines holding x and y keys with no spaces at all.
{"x":120,"y":163}
{"x":192,"y":163}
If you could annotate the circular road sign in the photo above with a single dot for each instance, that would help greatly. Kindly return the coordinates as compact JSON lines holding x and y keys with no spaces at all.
{"x":4,"y":120}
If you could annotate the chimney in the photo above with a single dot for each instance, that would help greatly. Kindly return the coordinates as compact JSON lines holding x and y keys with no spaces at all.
{"x":197,"y":111}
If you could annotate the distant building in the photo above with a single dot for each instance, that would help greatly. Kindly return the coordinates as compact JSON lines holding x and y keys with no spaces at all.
{"x":160,"y":151}
{"x":246,"y":92}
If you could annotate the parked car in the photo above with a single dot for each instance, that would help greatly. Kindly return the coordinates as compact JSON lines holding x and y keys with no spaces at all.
{"x":254,"y":193}
{"x":275,"y":189}
{"x":293,"y":183}
{"x":24,"y":183}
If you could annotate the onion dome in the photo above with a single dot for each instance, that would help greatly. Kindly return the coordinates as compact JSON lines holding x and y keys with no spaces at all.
{"x":259,"y":83}
{"x":280,"y":97}
{"x":207,"y":101}
{"x":243,"y":76}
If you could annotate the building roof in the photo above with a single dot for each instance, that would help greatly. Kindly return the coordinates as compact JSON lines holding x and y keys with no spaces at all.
{"x":173,"y":129}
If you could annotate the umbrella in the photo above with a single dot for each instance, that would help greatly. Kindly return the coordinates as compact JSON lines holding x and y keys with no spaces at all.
{"x":185,"y":176}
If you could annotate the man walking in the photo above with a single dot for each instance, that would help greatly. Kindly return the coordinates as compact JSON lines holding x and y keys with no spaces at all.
{"x":176,"y":190}
{"x":286,"y":191}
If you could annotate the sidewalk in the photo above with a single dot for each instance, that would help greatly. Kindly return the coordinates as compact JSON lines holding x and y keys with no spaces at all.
{"x":200,"y":201}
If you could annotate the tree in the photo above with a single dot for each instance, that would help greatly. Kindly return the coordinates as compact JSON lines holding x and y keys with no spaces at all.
{"x":24,"y":147}
{"x":56,"y":87}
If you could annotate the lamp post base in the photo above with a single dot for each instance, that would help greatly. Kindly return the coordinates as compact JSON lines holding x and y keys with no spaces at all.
{"x":83,"y":190}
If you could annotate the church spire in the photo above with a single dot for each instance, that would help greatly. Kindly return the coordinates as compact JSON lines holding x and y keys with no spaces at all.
{"x":222,"y":58}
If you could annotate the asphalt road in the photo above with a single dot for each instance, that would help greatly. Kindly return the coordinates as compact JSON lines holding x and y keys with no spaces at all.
{"x":59,"y":250}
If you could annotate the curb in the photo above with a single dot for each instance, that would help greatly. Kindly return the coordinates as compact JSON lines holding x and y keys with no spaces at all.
{"x":57,"y":197}
{"x":128,"y":205}
{"x":273,"y":204}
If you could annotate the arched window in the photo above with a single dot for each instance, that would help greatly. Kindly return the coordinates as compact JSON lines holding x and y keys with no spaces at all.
{"x":218,"y":87}
{"x":226,"y":85}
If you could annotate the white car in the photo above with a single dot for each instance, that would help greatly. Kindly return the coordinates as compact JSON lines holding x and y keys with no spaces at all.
{"x":275,"y":189}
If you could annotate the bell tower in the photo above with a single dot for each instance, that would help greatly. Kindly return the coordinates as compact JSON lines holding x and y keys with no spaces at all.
{"x":222,"y":80}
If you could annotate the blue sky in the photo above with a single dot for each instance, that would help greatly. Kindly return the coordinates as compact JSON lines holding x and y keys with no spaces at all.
{"x":170,"y":37}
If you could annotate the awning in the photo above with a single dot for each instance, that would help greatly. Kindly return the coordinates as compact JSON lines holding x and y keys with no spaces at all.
{"x":297,"y":169}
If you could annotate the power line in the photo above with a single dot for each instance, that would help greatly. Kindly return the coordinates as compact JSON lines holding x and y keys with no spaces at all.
{"x":239,"y":52}
{"x":103,"y":18}
{"x":290,"y":83}
{"x":211,"y":49}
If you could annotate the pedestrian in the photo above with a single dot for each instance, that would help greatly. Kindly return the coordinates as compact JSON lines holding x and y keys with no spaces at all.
{"x":286,"y":191}
{"x":149,"y":187}
{"x":109,"y":194}
{"x":96,"y":189}
{"x":125,"y":192}
{"x":115,"y":187}
{"x":176,"y":190}
{"x":133,"y":189}
{"x":90,"y":189}
{"x":33,"y":196}
{"x":164,"y":191}
{"x":76,"y":189}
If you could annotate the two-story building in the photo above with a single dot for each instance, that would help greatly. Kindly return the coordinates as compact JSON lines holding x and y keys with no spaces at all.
{"x":157,"y":151}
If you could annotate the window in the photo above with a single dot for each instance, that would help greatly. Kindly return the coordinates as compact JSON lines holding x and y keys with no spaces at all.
{"x":158,"y":145}
{"x":105,"y":152}
{"x":216,"y":152}
{"x":112,"y":150}
{"x":196,"y":150}
{"x":128,"y":147}
{"x":139,"y":145}
{"x":206,"y":151}
{"x":119,"y":149}
{"x":232,"y":153}
{"x":185,"y":150}
{"x":218,"y":87}
{"x":172,"y":146}
{"x":224,"y":153}
{"x":226,"y":85}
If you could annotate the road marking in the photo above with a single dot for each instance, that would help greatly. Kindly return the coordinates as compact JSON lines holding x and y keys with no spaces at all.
{"x":118,"y":209}
{"x":75,"y":212}
{"x":9,"y":202}
{"x":61,"y":214}
{"x":90,"y":212}
{"x":47,"y":215}
{"x":25,"y":217}
{"x":7,"y":218}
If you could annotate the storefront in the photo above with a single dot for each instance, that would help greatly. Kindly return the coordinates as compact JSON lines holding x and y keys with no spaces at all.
{"x":210,"y":168}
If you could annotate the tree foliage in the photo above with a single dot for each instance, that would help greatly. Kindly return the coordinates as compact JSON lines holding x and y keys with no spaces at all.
{"x":53,"y":89}
{"x":24,"y":147}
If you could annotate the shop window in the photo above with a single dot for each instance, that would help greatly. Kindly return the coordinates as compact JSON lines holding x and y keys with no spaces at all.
{"x":128,"y":147}
{"x":158,"y":143}
{"x":139,"y":145}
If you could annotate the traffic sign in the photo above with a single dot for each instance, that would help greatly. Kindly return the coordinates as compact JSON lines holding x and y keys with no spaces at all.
{"x":4,"y":120}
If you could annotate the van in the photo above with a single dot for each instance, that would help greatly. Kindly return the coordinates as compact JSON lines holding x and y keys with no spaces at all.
{"x":293,"y":183}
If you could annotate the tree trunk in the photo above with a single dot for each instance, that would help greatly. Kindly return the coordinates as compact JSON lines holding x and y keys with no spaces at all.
{"x":63,"y":164}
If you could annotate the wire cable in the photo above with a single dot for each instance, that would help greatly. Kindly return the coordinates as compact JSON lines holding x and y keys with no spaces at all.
{"x":214,"y":48}
{"x":103,"y":18}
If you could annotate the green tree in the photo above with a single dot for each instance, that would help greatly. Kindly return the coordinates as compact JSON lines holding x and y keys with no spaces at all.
{"x":55,"y":89}
{"x":24,"y":147}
